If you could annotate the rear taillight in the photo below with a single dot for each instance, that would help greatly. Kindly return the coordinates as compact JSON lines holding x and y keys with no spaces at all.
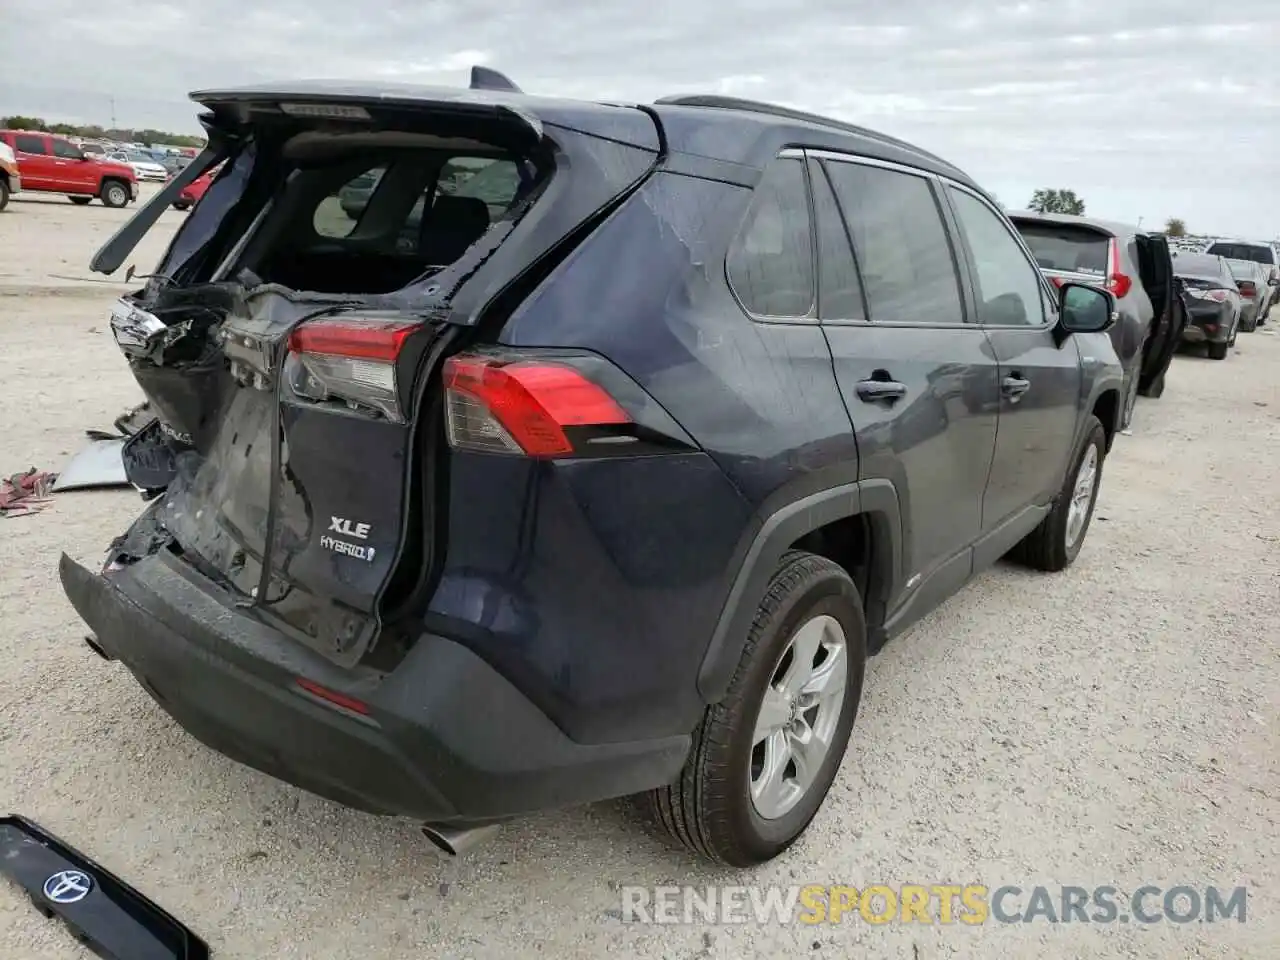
{"x":1246,"y":289}
{"x":523,"y":407}
{"x":1118,"y":283}
{"x":1201,"y":293}
{"x":350,"y":360}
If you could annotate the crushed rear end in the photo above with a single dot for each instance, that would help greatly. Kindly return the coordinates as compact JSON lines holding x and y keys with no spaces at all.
{"x":271,"y":595}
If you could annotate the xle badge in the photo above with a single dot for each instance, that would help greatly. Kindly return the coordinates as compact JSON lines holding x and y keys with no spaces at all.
{"x":348,"y":529}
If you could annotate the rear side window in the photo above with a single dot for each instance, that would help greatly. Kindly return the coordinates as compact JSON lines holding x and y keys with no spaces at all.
{"x":1008,"y":286}
{"x":839,"y":290}
{"x":1065,"y":247}
{"x":1256,"y":252}
{"x":770,"y":264}
{"x":904,"y":256}
{"x":29,"y":144}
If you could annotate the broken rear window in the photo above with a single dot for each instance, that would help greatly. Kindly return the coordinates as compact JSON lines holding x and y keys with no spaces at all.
{"x":363,"y":214}
{"x":1064,"y":247}
{"x":375,"y":224}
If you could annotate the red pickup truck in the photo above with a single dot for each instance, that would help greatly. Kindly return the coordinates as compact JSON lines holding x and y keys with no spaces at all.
{"x":52,"y":164}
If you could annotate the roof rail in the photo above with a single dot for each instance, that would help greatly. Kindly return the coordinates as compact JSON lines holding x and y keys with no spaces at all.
{"x":789,"y":113}
{"x":484,"y":78}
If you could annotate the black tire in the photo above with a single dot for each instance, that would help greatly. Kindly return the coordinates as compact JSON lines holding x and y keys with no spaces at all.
{"x":4,"y":193}
{"x":709,"y":809}
{"x":1046,"y":547}
{"x":80,"y":201}
{"x":114,"y":193}
{"x":1156,"y":390}
{"x":180,"y":206}
{"x":1218,"y":351}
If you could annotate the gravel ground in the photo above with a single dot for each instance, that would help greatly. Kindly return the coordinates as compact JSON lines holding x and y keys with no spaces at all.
{"x":1113,"y":725}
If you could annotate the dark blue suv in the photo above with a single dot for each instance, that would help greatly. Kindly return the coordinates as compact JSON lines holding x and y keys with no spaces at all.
{"x":589,"y":455}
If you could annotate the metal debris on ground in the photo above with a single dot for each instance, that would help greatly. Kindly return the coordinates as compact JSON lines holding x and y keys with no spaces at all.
{"x":25,"y":493}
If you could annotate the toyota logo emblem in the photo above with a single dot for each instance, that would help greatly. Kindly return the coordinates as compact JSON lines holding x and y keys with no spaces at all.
{"x":68,"y":886}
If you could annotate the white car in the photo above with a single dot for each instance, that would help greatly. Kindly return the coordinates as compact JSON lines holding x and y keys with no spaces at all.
{"x":143,"y":168}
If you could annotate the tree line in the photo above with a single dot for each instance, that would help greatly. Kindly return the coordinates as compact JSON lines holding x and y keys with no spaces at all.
{"x":146,"y":136}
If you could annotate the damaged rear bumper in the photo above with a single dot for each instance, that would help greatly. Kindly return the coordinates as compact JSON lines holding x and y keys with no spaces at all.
{"x":446,"y":738}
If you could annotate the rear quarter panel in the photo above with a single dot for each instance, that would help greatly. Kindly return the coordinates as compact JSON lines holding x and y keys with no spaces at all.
{"x":600,"y":582}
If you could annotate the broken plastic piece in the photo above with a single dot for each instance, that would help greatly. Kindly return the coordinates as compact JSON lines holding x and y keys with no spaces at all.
{"x":103,"y":912}
{"x":25,"y":493}
{"x":100,"y":464}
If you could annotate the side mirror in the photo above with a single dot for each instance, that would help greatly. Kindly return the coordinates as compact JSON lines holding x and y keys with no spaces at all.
{"x":1085,"y":309}
{"x":1274,"y":282}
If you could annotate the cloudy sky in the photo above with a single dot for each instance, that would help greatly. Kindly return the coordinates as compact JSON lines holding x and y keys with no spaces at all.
{"x":1146,"y":108}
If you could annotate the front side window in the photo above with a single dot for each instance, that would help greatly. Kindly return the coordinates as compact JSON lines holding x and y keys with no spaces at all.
{"x":770,"y":264}
{"x":904,"y":256}
{"x":1007,"y":287}
{"x":66,"y":150}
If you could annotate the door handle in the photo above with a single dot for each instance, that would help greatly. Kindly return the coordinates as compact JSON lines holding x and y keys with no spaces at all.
{"x":1014,"y":387}
{"x":881,"y":391}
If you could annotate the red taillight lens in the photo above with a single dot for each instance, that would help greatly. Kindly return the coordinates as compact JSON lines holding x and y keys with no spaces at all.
{"x":1219,"y":295}
{"x":1118,"y":283}
{"x":352,"y":360}
{"x":521,"y":406}
{"x":1246,"y":288}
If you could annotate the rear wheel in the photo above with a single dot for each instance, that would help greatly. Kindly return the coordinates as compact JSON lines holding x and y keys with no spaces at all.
{"x":80,"y":201}
{"x":114,"y":193}
{"x":764,"y":758}
{"x":181,"y":205}
{"x":1055,"y":544}
{"x":1218,"y":351}
{"x":4,"y":193}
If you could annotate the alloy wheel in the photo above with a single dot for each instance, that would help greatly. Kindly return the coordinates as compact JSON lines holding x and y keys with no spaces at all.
{"x":1082,"y":495}
{"x":798,"y":716}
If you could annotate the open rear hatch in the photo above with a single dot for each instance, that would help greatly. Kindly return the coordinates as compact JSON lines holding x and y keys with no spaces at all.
{"x":291,"y":344}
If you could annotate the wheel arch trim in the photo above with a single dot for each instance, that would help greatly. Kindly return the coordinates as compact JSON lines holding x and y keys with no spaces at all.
{"x":876,"y":499}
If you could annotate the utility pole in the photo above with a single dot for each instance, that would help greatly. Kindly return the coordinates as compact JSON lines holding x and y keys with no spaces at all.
{"x":113,"y":112}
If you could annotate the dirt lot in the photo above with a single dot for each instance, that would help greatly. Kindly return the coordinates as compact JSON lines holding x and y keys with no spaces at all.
{"x":1114,"y":725}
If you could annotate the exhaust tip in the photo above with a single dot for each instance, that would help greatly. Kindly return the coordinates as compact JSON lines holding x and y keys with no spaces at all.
{"x":92,"y":643}
{"x":455,"y":841}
